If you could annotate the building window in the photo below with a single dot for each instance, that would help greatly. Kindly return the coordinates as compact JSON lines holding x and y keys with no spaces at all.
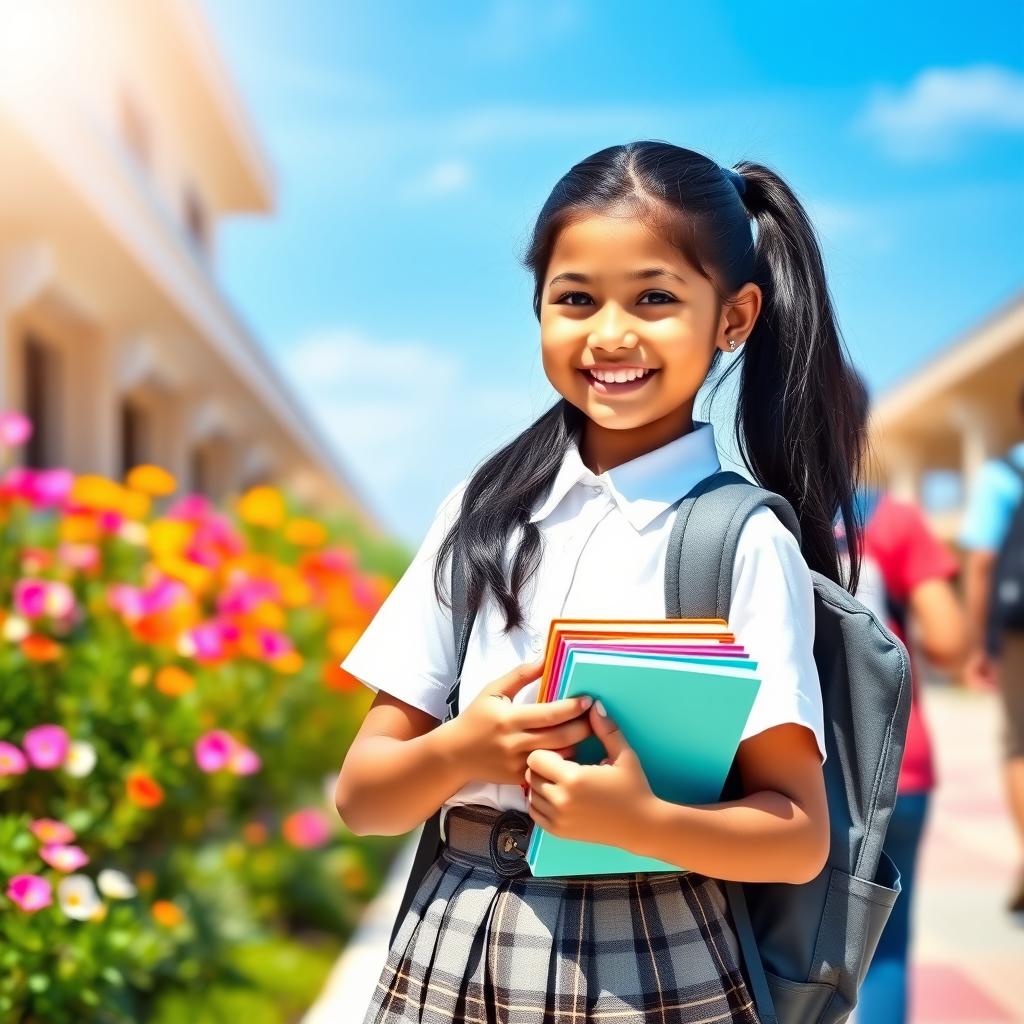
{"x":135,"y":130}
{"x":195,"y":217}
{"x":135,"y":435}
{"x":42,"y":390}
{"x":202,"y":471}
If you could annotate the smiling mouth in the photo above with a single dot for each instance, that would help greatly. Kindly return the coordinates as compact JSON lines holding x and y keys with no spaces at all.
{"x":602,"y":387}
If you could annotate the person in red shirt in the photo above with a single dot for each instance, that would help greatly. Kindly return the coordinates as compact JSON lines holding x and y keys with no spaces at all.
{"x":907,"y":575}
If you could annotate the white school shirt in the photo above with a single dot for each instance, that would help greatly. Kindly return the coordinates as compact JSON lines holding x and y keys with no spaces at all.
{"x":604,"y":540}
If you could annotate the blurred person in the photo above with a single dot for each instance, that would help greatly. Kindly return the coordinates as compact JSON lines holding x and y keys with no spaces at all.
{"x":907,"y":580}
{"x":993,"y":535}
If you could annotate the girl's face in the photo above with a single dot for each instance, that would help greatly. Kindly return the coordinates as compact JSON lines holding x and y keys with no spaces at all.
{"x":618,"y":297}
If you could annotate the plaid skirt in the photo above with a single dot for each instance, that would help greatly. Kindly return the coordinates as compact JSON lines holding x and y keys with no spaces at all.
{"x":485,"y":941}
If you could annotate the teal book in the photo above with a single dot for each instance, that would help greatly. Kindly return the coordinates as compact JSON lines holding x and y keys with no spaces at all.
{"x":683,"y":716}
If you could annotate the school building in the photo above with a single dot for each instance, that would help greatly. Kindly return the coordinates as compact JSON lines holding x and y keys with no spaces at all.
{"x":124,"y":146}
{"x":931,"y":433}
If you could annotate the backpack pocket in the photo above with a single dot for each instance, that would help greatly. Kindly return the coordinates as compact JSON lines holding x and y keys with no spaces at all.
{"x":852,"y":920}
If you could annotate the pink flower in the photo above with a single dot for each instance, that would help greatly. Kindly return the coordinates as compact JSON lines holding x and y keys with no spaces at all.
{"x":79,"y":556}
{"x":51,"y":831}
{"x":63,"y":857}
{"x":273,"y":644}
{"x":30,"y":597}
{"x":15,"y":429}
{"x":208,"y":640}
{"x":51,"y":488}
{"x":306,"y":828}
{"x":12,"y":760}
{"x":244,"y":761}
{"x":213,"y":750}
{"x":30,"y":892}
{"x":46,"y":746}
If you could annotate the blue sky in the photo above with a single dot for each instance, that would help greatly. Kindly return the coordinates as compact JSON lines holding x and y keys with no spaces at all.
{"x":414,"y":144}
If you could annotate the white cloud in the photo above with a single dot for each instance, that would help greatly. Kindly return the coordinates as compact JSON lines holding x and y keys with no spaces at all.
{"x":444,"y":178}
{"x":941,"y":108}
{"x":407,"y":417}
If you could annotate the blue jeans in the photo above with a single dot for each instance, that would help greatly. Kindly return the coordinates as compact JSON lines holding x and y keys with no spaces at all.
{"x":884,"y":995}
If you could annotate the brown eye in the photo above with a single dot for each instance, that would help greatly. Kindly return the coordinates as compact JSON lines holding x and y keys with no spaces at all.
{"x":569,"y":295}
{"x":664,"y":295}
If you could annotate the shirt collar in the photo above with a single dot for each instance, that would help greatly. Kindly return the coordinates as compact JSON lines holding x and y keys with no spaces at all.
{"x":645,"y":486}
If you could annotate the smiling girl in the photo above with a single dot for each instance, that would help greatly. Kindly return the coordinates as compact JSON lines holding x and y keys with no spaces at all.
{"x":647,"y":270}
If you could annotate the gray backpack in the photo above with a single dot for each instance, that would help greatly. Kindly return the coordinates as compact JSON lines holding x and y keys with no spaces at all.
{"x":806,"y":947}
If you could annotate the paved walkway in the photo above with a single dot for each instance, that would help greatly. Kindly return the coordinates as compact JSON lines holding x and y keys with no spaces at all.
{"x":969,"y":954}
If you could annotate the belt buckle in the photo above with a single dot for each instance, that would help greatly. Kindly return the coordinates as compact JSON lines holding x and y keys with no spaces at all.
{"x":508,"y":843}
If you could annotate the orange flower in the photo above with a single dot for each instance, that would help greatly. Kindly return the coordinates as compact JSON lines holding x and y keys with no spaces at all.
{"x":174,"y":681}
{"x":336,"y":678}
{"x":144,"y":790}
{"x":37,"y":647}
{"x":254,"y":833}
{"x":167,"y":914}
{"x":136,"y":505}
{"x":80,"y":528}
{"x":151,"y":480}
{"x":305,"y":533}
{"x":261,"y":506}
{"x":341,"y":640}
{"x":145,"y":880}
{"x":288,"y":663}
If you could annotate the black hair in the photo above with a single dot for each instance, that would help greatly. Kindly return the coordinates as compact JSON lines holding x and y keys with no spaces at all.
{"x":796,"y":427}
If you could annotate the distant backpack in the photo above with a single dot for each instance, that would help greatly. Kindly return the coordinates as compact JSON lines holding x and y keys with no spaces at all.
{"x":1006,"y":606}
{"x":805,"y":948}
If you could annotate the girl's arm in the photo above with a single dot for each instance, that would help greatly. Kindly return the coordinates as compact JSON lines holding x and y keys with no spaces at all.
{"x":779,"y":832}
{"x":399,"y":769}
{"x":403,"y":764}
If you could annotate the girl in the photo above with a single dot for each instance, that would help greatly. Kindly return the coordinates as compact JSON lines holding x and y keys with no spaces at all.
{"x":646,"y":271}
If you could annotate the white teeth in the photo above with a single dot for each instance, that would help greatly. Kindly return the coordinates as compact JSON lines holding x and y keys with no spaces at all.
{"x":618,"y":376}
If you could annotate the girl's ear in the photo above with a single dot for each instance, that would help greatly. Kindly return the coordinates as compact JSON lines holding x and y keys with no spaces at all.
{"x":738,"y":320}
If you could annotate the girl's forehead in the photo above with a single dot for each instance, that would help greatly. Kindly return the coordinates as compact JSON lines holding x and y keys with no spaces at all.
{"x":611,"y":244}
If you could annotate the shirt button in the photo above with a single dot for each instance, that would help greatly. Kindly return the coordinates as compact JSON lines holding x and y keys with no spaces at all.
{"x":596,"y":488}
{"x":536,"y":643}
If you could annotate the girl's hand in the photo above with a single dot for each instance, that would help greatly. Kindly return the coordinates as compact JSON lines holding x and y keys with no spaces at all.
{"x":592,"y":802}
{"x":493,"y":737}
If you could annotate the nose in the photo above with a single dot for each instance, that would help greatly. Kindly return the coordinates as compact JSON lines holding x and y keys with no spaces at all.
{"x":612,"y":331}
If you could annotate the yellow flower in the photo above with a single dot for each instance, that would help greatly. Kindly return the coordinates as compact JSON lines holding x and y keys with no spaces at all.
{"x":139,"y":675}
{"x":168,"y":537}
{"x":268,"y":615}
{"x":305,"y":533}
{"x":96,"y":492}
{"x":136,"y":506}
{"x":262,"y":506}
{"x":198,"y":578}
{"x":151,"y":480}
{"x":341,"y":639}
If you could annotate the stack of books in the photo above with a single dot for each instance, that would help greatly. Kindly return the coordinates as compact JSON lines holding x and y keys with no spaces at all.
{"x":680,"y":690}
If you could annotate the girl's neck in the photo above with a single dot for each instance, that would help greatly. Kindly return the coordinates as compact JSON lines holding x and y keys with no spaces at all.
{"x":602,"y":448}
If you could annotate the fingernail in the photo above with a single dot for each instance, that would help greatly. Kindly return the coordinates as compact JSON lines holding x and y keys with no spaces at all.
{"x":585,"y":702}
{"x":600,"y":709}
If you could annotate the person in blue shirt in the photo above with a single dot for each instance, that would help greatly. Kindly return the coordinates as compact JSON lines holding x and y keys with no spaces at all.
{"x":992,"y":503}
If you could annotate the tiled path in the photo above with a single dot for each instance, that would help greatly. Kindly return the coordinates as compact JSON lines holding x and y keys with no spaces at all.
{"x":969,"y":954}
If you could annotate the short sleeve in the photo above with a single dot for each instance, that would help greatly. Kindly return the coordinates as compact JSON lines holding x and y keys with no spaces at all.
{"x":772,"y":615}
{"x":907,"y":550}
{"x":990,"y":506}
{"x":408,"y":649}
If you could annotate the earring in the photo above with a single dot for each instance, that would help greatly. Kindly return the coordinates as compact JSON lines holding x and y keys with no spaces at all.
{"x":732,"y":344}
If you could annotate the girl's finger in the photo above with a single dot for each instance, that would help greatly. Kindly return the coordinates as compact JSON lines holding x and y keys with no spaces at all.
{"x":541,"y":803}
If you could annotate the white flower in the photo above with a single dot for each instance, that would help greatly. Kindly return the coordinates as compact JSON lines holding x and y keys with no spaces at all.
{"x":77,"y":897}
{"x":185,"y":646}
{"x":81,"y":759}
{"x":15,"y":628}
{"x":135,"y":533}
{"x":115,"y":884}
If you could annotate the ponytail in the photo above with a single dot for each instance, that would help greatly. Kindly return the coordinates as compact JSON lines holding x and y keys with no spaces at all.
{"x":798,"y":426}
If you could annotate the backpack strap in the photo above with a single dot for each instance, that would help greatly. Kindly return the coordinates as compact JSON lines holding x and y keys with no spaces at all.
{"x":429,"y":845}
{"x":698,"y":584}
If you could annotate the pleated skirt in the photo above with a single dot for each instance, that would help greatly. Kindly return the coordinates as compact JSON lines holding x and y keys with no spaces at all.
{"x":482,"y":946}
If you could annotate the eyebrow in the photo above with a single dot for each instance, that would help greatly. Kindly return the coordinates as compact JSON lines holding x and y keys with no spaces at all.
{"x":636,"y":275}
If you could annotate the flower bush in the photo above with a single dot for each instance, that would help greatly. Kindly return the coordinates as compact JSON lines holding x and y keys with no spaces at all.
{"x":171,"y":725}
